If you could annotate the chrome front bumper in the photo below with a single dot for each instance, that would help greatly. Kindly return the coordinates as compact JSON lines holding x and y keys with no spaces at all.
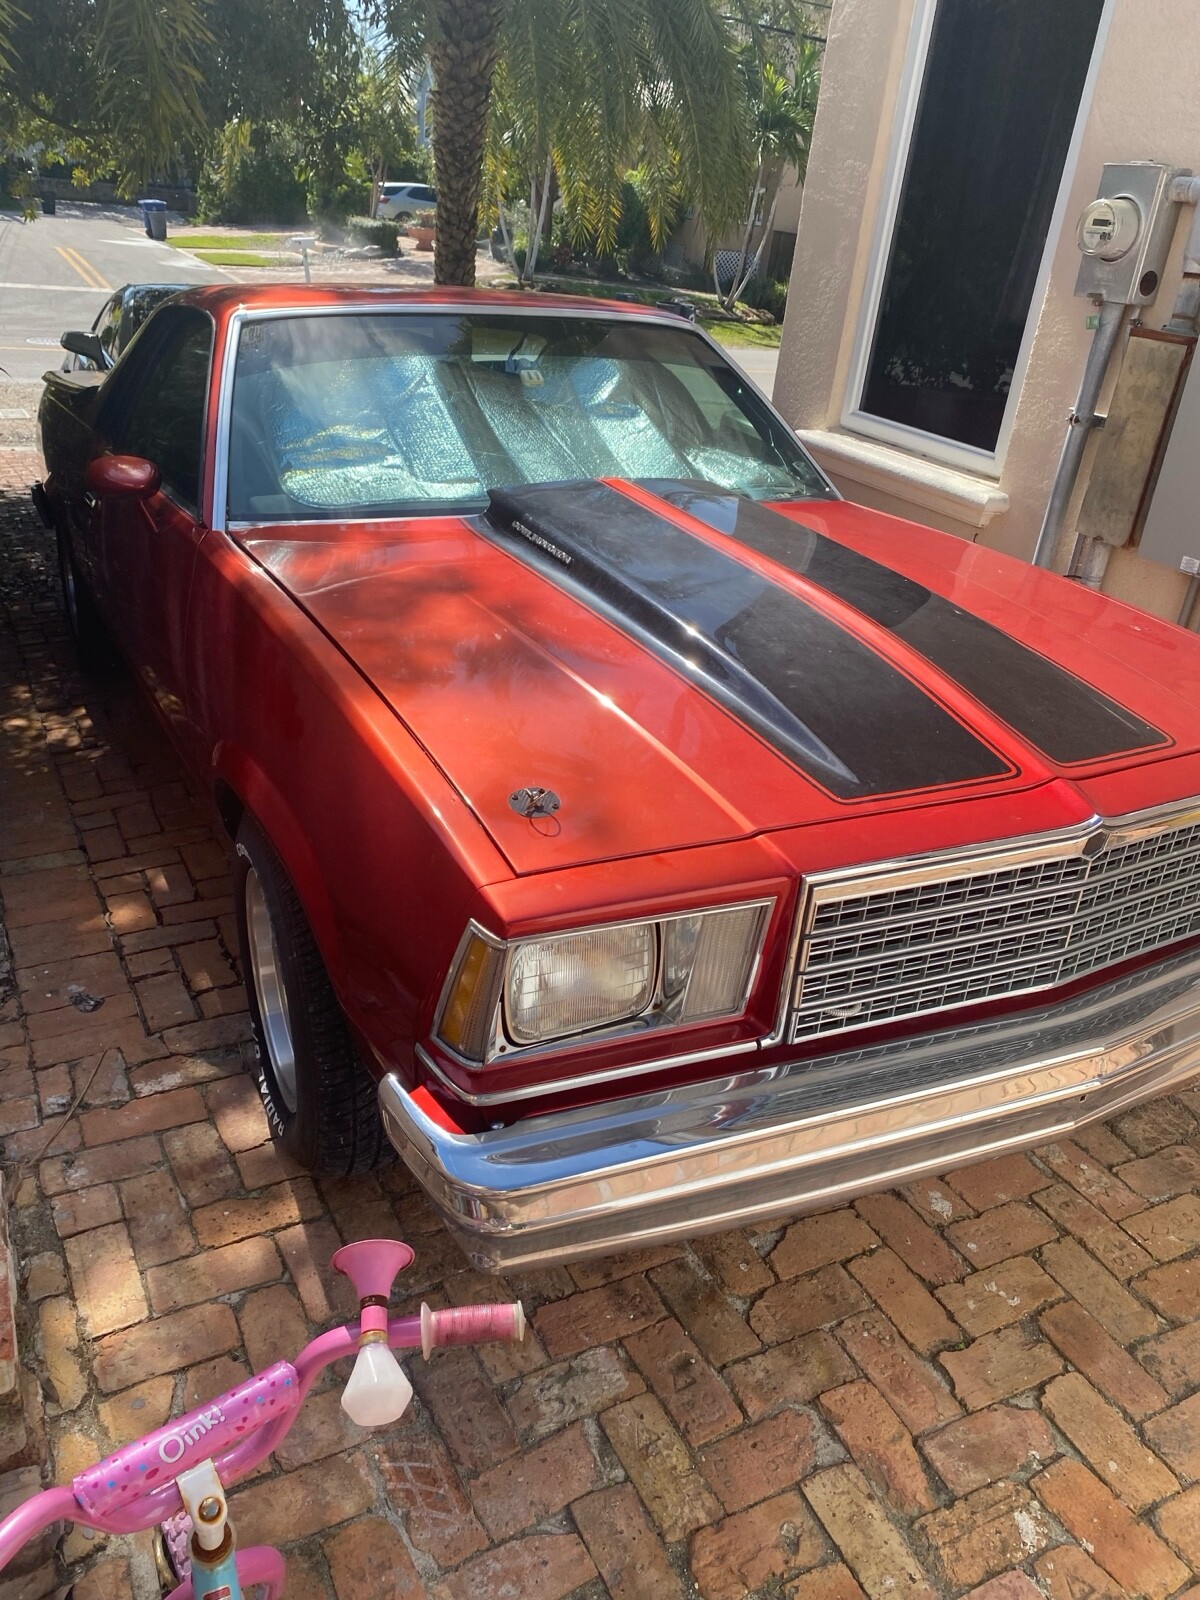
{"x":793,"y":1138}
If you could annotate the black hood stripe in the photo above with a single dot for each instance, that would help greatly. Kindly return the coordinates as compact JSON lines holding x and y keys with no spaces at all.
{"x":1059,"y":714}
{"x":833,"y":706}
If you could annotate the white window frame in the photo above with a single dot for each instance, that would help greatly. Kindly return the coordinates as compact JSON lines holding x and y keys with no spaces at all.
{"x":964,"y":457}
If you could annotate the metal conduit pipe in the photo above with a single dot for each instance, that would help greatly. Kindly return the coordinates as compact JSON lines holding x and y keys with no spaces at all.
{"x":1189,"y":602}
{"x":1090,"y":559}
{"x":1079,"y":425}
{"x":1186,"y":192}
{"x":1091,"y":562}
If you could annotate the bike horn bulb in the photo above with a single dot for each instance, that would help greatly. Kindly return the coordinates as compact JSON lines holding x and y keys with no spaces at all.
{"x":378,"y":1391}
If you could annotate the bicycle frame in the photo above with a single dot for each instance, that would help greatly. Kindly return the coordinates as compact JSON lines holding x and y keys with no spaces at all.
{"x":137,"y":1486}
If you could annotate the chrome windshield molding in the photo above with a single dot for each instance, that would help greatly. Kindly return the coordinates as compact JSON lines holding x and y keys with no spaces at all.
{"x":220,"y":488}
{"x":788,"y":1139}
{"x":220,"y":520}
{"x":1082,"y":842}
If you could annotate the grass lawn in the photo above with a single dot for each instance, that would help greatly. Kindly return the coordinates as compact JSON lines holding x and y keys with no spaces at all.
{"x":229,"y":241}
{"x":761,"y":336}
{"x":236,"y":258}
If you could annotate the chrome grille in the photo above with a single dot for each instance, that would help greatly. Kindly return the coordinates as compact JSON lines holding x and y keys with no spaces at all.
{"x":905,"y":943}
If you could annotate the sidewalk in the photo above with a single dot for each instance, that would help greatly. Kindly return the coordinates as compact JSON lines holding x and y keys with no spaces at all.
{"x":987,"y":1385}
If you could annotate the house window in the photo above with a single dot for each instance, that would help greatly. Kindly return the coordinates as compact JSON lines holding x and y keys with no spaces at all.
{"x":998,"y":102}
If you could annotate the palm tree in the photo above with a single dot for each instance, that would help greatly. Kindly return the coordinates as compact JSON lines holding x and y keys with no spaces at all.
{"x":8,"y":23}
{"x":594,"y":81}
{"x":783,"y":115}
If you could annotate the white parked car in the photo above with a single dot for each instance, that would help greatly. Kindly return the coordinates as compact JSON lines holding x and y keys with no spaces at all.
{"x":399,"y":202}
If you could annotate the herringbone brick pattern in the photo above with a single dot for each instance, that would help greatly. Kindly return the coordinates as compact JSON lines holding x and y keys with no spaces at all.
{"x":987,"y":1384}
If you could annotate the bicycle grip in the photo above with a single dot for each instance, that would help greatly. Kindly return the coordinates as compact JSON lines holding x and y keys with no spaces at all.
{"x":471,"y":1325}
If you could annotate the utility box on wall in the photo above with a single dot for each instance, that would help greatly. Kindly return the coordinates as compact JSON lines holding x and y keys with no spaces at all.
{"x":1172,"y":526}
{"x":1134,"y":439}
{"x":1125,"y":233}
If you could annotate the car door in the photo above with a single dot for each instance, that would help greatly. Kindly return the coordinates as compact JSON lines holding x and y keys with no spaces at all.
{"x":147,"y":549}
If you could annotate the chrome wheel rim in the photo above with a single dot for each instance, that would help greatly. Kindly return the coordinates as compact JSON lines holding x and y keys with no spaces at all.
{"x":269,"y":990}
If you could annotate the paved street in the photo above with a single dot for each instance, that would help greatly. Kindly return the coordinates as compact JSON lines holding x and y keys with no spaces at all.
{"x":758,"y":365}
{"x":986,"y":1385}
{"x":56,"y":272}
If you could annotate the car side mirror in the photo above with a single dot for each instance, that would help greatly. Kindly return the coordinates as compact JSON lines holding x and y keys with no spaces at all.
{"x":86,"y":345}
{"x":122,"y":478}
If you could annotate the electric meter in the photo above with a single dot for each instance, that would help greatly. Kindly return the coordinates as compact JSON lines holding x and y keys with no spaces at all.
{"x":1109,"y":228}
{"x":1125,"y":233}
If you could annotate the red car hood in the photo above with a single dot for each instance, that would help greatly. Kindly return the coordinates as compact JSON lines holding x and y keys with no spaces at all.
{"x":522,"y":655}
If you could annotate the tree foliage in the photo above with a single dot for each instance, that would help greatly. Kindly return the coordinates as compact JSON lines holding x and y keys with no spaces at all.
{"x":115,"y":85}
{"x":595,"y":87}
{"x":261,"y":100}
{"x":782,"y":113}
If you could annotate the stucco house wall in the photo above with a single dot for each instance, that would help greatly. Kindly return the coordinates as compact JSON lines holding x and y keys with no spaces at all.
{"x":1141,"y":104}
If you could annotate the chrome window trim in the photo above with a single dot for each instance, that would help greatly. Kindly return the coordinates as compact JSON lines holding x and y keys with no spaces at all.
{"x":196,"y":511}
{"x":238,"y":319}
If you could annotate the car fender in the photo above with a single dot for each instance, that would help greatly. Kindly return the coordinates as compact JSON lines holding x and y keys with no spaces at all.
{"x":254,"y":789}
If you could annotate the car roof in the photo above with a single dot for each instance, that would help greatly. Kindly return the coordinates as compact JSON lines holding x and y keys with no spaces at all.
{"x":154,"y":288}
{"x":222,"y":300}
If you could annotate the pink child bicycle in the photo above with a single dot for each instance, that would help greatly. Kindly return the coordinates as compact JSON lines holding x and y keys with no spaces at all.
{"x":177,"y":1476}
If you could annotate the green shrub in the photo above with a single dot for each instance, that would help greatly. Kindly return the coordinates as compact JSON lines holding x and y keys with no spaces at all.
{"x":335,"y":196}
{"x":385,"y":235}
{"x":644,"y":262}
{"x":765,"y":294}
{"x":257,"y":184}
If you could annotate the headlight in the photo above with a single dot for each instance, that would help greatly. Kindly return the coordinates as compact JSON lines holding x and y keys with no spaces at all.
{"x":668,"y":971}
{"x":578,"y":981}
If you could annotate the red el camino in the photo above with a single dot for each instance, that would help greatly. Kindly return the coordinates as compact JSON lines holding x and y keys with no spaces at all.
{"x":639,"y":836}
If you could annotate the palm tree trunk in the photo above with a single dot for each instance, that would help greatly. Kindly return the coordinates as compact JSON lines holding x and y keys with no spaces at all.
{"x":735,"y":286}
{"x":463,"y":51}
{"x":507,"y":238}
{"x":535,"y":243}
{"x":751,"y":267}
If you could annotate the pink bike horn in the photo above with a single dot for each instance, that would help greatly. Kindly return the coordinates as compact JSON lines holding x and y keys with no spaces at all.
{"x":378,"y":1391}
{"x":373,"y":1265}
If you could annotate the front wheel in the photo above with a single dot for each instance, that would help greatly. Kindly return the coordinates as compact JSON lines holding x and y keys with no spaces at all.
{"x":319,"y":1099}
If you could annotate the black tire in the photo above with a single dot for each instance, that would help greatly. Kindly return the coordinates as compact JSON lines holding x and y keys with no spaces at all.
{"x":323,"y":1111}
{"x":92,"y":643}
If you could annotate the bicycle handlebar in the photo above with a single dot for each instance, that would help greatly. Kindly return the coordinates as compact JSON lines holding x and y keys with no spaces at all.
{"x":135,"y":1487}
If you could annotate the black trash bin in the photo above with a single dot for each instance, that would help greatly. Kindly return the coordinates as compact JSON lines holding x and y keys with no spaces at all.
{"x":49,"y":201}
{"x":154,"y":215}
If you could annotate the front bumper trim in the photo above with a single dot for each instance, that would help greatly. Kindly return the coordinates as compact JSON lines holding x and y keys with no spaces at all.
{"x":787,"y":1139}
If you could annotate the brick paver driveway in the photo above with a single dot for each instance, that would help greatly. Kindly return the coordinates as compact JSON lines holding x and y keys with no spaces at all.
{"x":992,"y":1379}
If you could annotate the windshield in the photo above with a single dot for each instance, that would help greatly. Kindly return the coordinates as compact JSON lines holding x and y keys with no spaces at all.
{"x":393,"y":413}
